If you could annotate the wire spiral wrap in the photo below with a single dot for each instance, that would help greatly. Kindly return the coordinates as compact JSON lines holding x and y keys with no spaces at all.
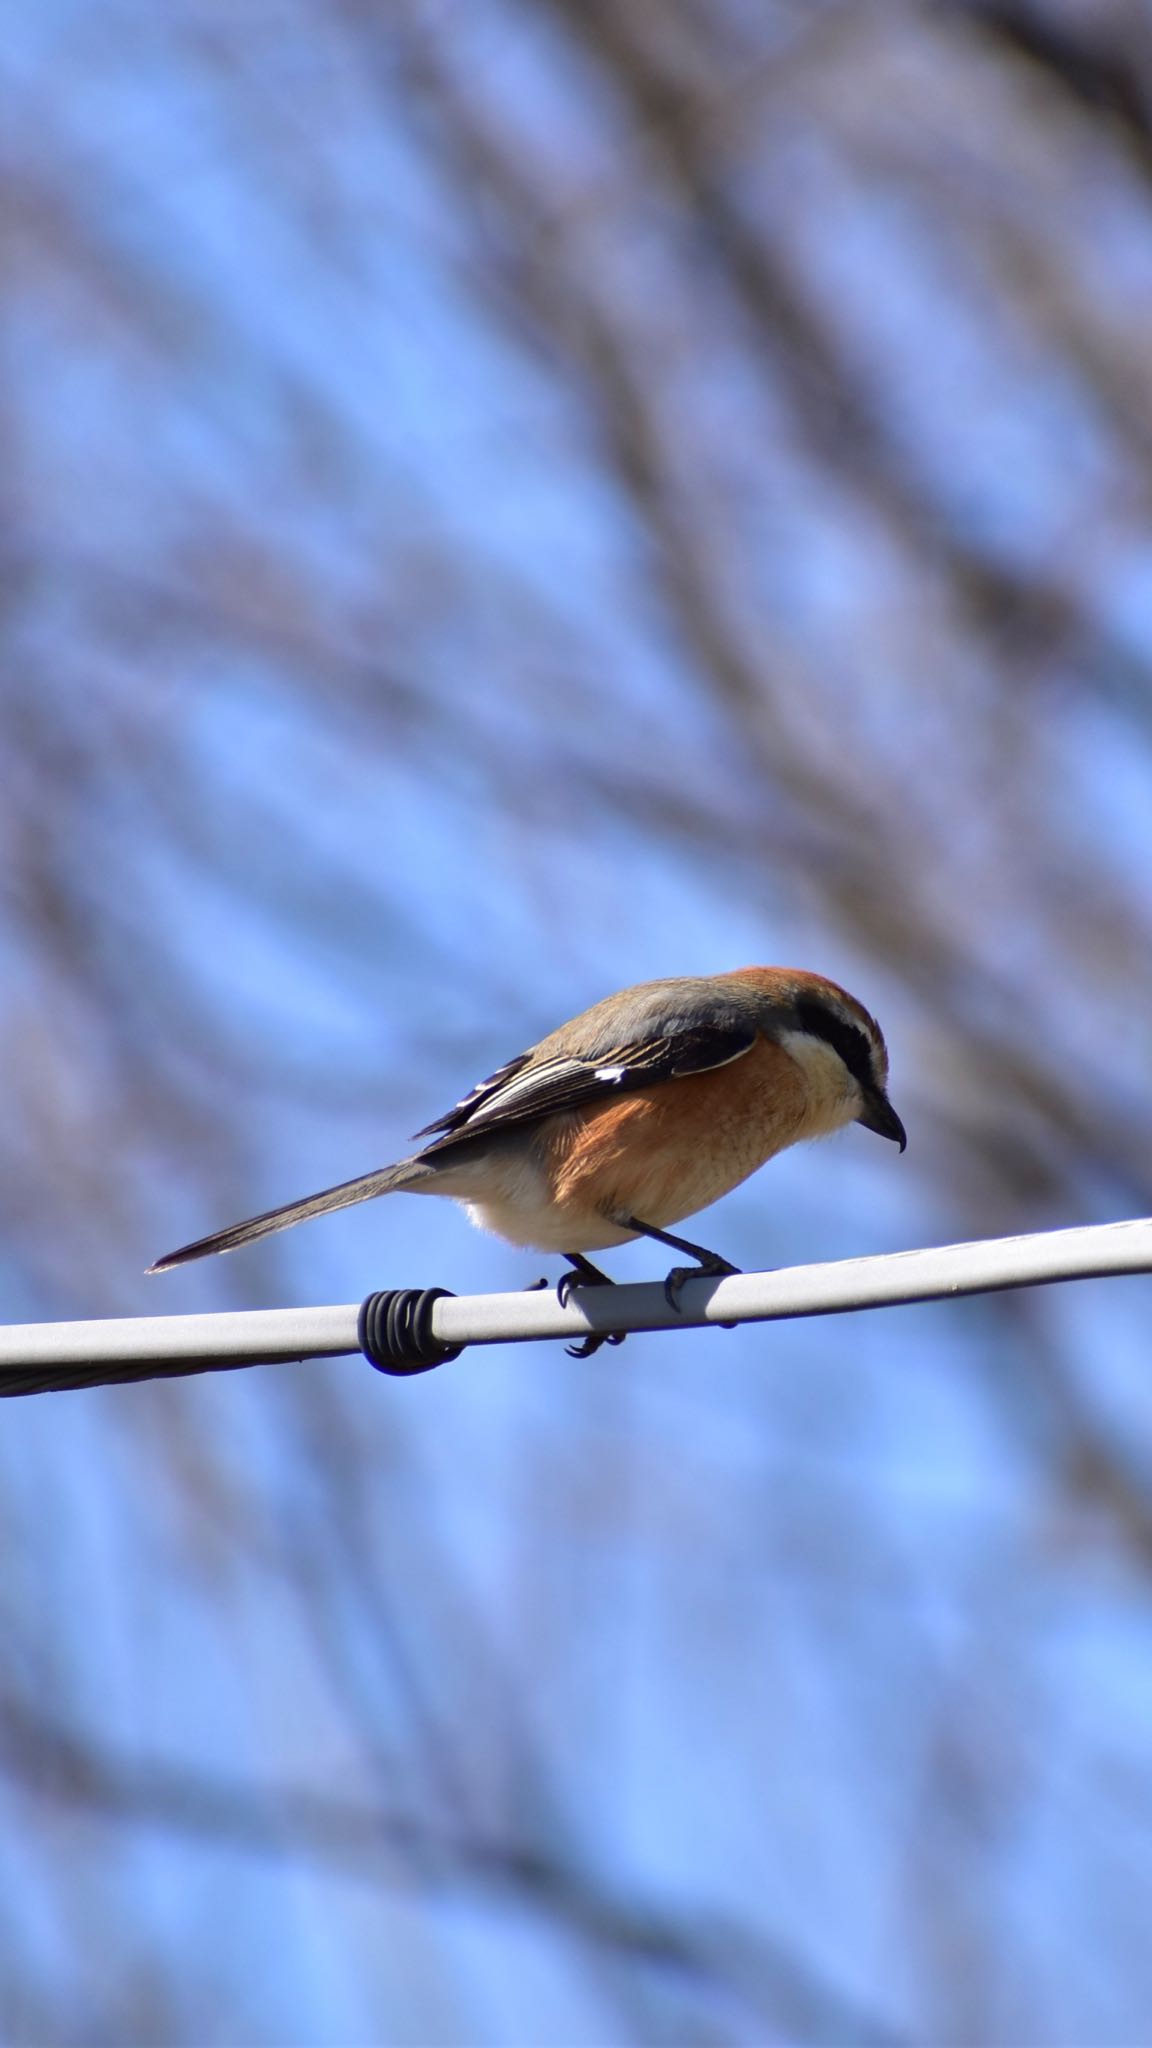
{"x":394,"y":1330}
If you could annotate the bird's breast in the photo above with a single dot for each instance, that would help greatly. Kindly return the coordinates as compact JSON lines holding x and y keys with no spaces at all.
{"x":665,"y":1152}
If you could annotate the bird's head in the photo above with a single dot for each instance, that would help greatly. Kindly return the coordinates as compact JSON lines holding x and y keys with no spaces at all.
{"x":838,"y":1046}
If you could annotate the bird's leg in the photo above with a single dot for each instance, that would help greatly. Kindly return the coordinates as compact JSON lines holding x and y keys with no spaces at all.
{"x":585,"y":1274}
{"x":709,"y":1262}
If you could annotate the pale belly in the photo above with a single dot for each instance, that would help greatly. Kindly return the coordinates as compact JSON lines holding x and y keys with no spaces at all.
{"x":525,"y":1210}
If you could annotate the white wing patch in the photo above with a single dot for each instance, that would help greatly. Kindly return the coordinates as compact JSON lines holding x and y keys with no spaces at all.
{"x":609,"y":1073}
{"x":528,"y":1083}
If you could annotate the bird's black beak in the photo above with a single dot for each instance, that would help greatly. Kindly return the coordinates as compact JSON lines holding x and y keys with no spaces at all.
{"x":878,"y":1115}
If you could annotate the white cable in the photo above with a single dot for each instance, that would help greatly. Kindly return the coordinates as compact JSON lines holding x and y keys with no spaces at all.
{"x":268,"y":1336}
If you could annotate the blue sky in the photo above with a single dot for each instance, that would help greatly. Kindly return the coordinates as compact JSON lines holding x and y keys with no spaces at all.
{"x":771,"y":1635}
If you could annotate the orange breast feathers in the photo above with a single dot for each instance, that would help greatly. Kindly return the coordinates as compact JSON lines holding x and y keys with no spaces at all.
{"x":664,"y":1152}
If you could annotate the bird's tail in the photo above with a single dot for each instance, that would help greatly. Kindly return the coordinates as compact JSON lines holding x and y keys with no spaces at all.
{"x":408,"y":1173}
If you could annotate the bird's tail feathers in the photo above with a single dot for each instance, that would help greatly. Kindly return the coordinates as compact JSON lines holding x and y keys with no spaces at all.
{"x":407,"y":1173}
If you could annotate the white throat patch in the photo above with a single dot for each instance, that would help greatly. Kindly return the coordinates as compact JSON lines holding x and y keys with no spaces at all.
{"x":834,"y":1097}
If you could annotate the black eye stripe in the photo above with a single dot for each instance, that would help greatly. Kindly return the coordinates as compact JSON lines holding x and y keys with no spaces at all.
{"x":847,"y":1039}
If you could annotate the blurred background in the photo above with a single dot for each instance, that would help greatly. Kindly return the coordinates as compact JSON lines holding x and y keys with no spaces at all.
{"x":501,"y":501}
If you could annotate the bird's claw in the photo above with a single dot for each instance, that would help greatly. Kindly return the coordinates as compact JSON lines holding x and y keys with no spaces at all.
{"x":708,"y":1269}
{"x":566,"y":1287}
{"x":593,"y":1341}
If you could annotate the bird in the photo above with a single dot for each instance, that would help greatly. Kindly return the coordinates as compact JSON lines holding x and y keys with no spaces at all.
{"x":642,"y":1110}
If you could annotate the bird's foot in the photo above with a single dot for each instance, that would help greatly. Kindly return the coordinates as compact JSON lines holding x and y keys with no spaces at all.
{"x":593,"y":1342}
{"x":584,"y":1274}
{"x":709,"y":1264}
{"x":570,"y":1283}
{"x":711,"y":1267}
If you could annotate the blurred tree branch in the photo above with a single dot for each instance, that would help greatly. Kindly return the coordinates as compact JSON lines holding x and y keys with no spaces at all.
{"x":478,"y":481}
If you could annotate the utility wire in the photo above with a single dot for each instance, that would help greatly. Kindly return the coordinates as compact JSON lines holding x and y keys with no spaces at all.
{"x":45,"y":1357}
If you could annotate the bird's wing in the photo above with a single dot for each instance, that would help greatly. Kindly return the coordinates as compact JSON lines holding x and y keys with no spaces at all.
{"x":545,"y":1082}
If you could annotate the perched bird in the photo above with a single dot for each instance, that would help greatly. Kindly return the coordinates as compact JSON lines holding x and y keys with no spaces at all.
{"x":642,"y":1110}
